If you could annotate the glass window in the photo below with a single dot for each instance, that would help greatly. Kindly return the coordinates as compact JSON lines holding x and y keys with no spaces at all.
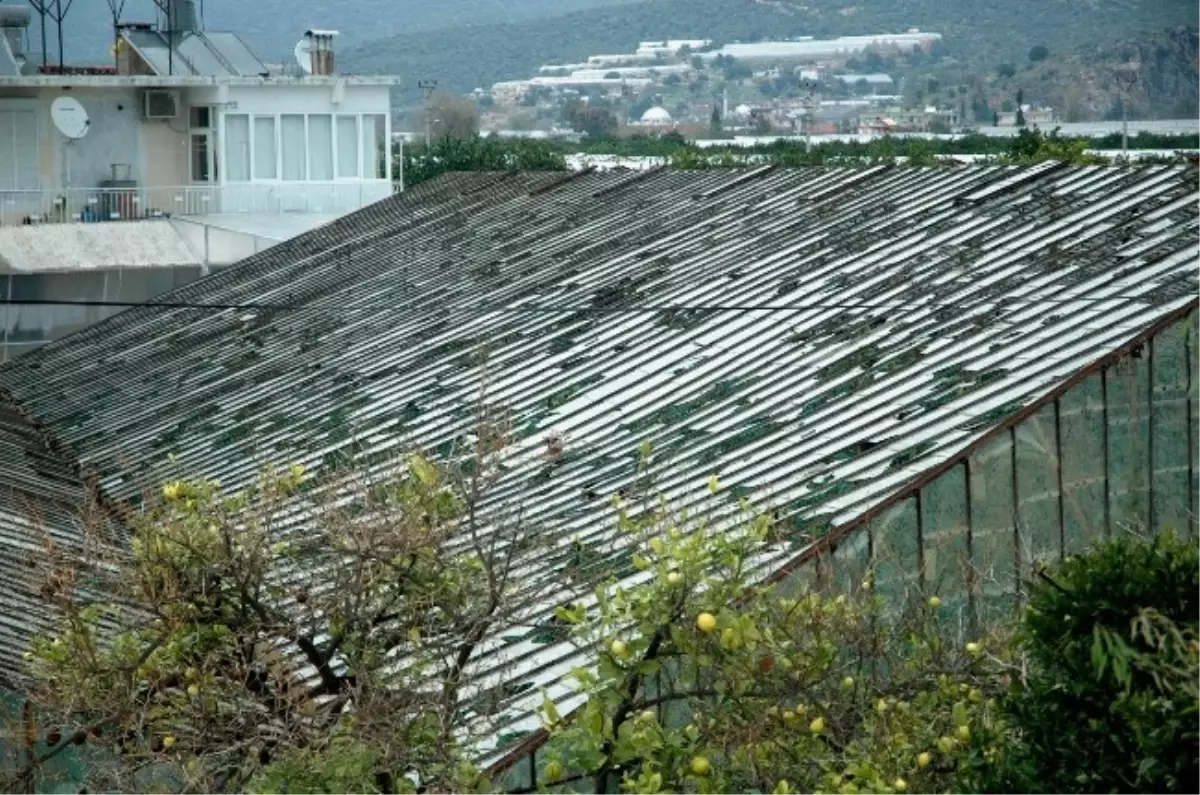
{"x":200,"y":117}
{"x":237,"y":147}
{"x":320,"y":148}
{"x":18,"y":150}
{"x":201,"y":170}
{"x":292,"y":145}
{"x":374,"y":129}
{"x":265,"y":166}
{"x":347,"y":147}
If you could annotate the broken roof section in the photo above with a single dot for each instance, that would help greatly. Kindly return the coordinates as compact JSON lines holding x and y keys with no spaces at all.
{"x":819,"y":338}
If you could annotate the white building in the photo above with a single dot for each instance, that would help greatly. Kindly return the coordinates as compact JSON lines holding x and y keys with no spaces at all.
{"x":199,"y":137}
{"x":807,"y":50}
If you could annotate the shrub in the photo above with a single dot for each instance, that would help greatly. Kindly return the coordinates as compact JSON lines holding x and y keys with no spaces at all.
{"x":1110,"y":701}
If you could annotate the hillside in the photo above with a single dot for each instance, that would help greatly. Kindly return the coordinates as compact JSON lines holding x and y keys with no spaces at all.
{"x":271,"y":27}
{"x":1083,"y":85}
{"x":979,"y":34}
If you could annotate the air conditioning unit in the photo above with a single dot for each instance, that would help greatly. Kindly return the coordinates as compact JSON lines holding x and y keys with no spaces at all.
{"x":160,"y":105}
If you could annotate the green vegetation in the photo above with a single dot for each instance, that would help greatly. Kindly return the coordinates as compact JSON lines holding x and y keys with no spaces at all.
{"x":220,"y":652}
{"x":420,"y":163}
{"x":847,"y":693}
{"x":711,"y":682}
{"x":1030,"y":146}
{"x":1110,"y":700}
{"x":223,"y":652}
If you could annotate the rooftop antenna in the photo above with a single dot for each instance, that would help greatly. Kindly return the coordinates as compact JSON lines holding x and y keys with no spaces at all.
{"x":116,"y":8}
{"x":427,"y":86}
{"x":40,"y":7}
{"x":57,"y":10}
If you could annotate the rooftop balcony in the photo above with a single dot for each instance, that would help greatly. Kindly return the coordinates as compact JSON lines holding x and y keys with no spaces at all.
{"x":91,"y":205}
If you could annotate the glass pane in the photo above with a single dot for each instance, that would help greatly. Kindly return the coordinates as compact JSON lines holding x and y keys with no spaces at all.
{"x":993,"y":544}
{"x":292,"y":138}
{"x":895,"y":555}
{"x":517,"y":777}
{"x":1039,"y":537}
{"x":1081,"y":429}
{"x":237,"y":148}
{"x":1170,"y":502}
{"x":320,"y":148}
{"x":200,"y":169}
{"x":264,"y":148}
{"x":374,"y":129}
{"x":347,"y":147}
{"x":851,"y":559}
{"x":944,"y":545}
{"x":1128,"y":444}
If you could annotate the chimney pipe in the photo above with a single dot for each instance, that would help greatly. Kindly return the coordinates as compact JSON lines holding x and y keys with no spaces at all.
{"x":321,"y":51}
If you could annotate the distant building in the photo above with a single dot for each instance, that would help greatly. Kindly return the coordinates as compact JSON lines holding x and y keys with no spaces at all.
{"x":1034,"y":116}
{"x":875,"y":83}
{"x":200,"y":152}
{"x":657,"y":117}
{"x":804,"y":51}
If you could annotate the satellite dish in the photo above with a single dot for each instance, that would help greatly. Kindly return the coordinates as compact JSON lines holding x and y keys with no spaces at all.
{"x":69,"y":117}
{"x":303,"y":53}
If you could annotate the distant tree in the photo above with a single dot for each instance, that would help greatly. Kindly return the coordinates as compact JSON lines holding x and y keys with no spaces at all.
{"x":521,"y":120}
{"x":449,"y":116}
{"x":672,"y":80}
{"x":1020,"y":108}
{"x":932,"y":85}
{"x":714,"y":121}
{"x":586,"y":117}
{"x":995,"y":119}
{"x":872,"y":61}
{"x":854,"y":65}
{"x":862,"y":87}
{"x":697,"y":63}
{"x":1006,"y":70}
{"x":612,"y":75}
{"x":736,"y":70}
{"x":1038,"y":52}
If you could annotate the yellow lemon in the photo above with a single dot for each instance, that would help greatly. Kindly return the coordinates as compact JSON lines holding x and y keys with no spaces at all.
{"x":700,"y":766}
{"x":706,"y":622}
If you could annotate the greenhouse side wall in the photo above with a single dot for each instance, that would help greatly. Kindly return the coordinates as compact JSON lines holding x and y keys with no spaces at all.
{"x":1115,"y":453}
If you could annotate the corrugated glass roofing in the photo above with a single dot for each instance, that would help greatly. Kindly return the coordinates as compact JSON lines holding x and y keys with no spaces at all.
{"x":818,"y":338}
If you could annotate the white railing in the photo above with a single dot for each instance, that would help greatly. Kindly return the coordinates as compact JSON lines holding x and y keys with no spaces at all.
{"x":88,"y":205}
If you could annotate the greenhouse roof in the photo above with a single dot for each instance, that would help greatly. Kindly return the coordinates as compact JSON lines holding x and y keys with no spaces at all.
{"x":818,"y":338}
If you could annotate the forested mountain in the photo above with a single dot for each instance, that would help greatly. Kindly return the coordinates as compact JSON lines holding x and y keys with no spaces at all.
{"x":271,"y":27}
{"x":979,"y":34}
{"x":1083,"y":84}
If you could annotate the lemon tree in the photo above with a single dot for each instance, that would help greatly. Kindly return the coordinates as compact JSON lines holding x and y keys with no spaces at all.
{"x":249,"y":640}
{"x":709,"y":680}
